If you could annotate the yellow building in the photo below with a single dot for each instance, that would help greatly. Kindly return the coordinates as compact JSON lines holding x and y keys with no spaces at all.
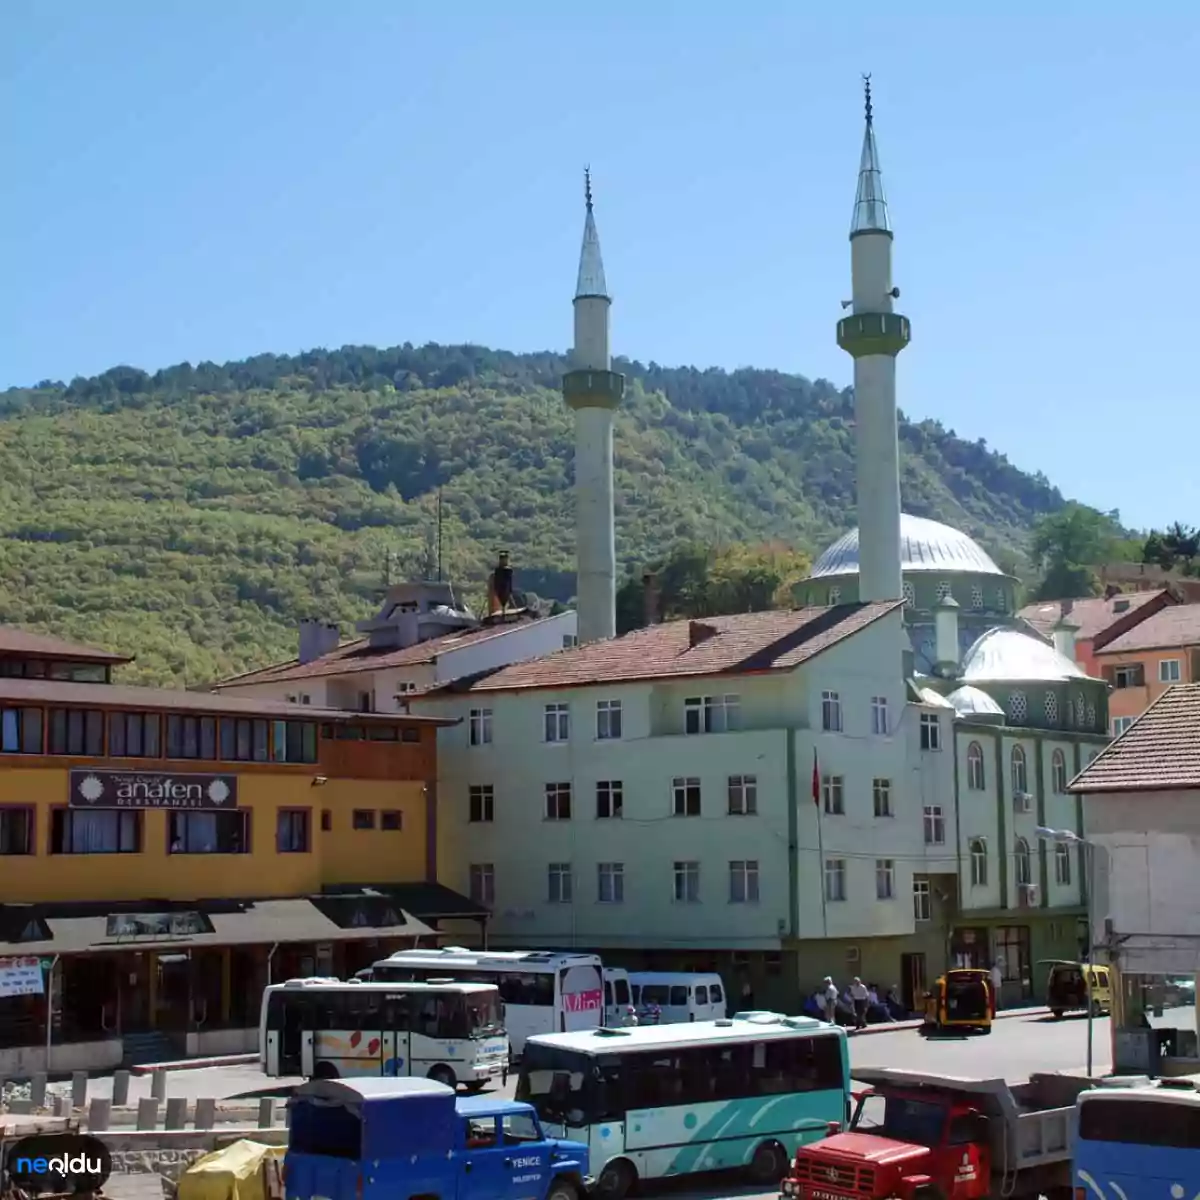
{"x":164,"y":855}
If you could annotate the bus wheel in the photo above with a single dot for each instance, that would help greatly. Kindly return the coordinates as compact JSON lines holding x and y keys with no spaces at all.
{"x":769,"y":1164}
{"x":442,"y":1074}
{"x":562,"y":1189}
{"x":325,"y":1071}
{"x":616,"y":1180}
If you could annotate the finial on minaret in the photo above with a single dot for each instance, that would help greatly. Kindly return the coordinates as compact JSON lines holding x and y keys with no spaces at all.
{"x":587,"y":187}
{"x":870,"y":205}
{"x":591,"y":266}
{"x":867,"y":90}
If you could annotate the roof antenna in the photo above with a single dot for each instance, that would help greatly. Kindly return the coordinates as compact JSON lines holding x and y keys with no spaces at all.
{"x":867,"y":90}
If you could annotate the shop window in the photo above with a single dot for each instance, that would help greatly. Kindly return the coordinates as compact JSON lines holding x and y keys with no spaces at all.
{"x":209,"y":833}
{"x":74,"y":831}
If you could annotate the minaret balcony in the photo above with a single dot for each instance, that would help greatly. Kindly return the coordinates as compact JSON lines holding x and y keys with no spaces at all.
{"x":593,"y":389}
{"x":866,"y":333}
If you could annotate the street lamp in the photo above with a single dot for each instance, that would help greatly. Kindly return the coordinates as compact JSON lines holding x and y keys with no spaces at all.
{"x":1070,"y":838}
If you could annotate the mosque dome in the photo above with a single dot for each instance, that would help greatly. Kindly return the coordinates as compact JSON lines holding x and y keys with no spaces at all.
{"x":929,"y":696}
{"x":1007,"y":655}
{"x":969,"y":701}
{"x":924,"y":546}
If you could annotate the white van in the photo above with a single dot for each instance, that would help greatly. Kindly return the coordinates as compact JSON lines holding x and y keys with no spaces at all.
{"x":617,"y":998}
{"x":680,"y":995}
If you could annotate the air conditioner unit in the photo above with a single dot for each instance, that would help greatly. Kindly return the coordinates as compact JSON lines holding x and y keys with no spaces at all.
{"x":852,"y":956}
{"x":1022,"y":802}
{"x":1027,"y":895}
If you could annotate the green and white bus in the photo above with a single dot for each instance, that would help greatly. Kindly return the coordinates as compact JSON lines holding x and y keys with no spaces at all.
{"x":665,"y":1100}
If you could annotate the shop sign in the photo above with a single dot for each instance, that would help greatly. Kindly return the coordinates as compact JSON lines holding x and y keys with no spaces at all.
{"x":151,"y":789}
{"x":21,"y":977}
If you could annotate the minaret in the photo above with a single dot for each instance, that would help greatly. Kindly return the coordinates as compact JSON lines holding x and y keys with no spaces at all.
{"x":594,"y":391}
{"x":873,"y":335}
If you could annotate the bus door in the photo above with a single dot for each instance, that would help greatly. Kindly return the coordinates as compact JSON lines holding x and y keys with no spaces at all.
{"x":308,"y":1053}
{"x":395,"y":1038}
{"x":285,"y":1042}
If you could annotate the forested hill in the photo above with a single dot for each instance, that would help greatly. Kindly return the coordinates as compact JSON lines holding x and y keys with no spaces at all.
{"x":193,"y":516}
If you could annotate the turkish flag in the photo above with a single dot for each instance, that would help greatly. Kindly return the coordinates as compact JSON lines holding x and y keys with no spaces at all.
{"x":816,"y":785}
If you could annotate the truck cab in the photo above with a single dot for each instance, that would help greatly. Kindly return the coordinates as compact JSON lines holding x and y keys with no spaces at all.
{"x":396,"y":1139}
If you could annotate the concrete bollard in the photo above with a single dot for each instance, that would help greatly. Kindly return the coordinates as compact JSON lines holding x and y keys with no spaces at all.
{"x":147,"y":1114}
{"x":37,"y":1090}
{"x":120,"y":1091}
{"x":206,"y":1113}
{"x":266,"y":1113}
{"x":158,"y":1085}
{"x":79,"y":1089}
{"x":99,"y":1115}
{"x":177,"y":1108}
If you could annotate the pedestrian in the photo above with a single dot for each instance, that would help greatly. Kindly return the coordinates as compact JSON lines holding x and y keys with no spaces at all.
{"x":861,"y":998}
{"x":997,"y":984}
{"x":747,"y":996}
{"x":830,"y":994}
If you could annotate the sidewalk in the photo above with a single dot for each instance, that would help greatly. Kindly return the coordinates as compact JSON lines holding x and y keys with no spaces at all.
{"x":1030,"y":1010}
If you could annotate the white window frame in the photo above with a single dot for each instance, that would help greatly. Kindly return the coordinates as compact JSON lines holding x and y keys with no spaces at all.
{"x":556,"y":724}
{"x":833,"y":795}
{"x":835,"y":880}
{"x":922,"y":900}
{"x":681,"y":787}
{"x":976,"y":769}
{"x":879,"y":716}
{"x":556,"y":794}
{"x":931,"y":731}
{"x":743,"y":881}
{"x":885,"y":879}
{"x":686,"y":873}
{"x":1120,"y":724}
{"x":742,"y":792}
{"x":481,"y":797}
{"x":1170,"y":670}
{"x":933,"y":820}
{"x":479,"y":726}
{"x":610,"y":793}
{"x":560,"y":883}
{"x":1062,"y":864}
{"x":608,"y":720}
{"x":1018,"y":769}
{"x":481,"y":885}
{"x":1022,"y":863}
{"x":881,"y":797}
{"x":977,"y":850}
{"x":712,"y":714}
{"x":610,"y":879}
{"x":1058,"y":772}
{"x":831,"y":712}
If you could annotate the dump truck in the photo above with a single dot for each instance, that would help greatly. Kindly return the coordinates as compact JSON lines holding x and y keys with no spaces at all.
{"x":920,"y":1136}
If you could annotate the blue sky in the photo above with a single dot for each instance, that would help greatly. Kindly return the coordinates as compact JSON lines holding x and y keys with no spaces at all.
{"x":213,"y":180}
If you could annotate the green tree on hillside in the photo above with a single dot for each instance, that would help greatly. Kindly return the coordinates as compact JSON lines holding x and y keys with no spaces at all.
{"x":1069,"y":545}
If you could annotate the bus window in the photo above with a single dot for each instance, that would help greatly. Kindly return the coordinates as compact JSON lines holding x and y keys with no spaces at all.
{"x":715,"y":995}
{"x":1140,"y":1123}
{"x":657,"y":993}
{"x":483,"y":1015}
{"x":679,"y":996}
{"x":701,"y":994}
{"x":608,"y":994}
{"x":622,"y":991}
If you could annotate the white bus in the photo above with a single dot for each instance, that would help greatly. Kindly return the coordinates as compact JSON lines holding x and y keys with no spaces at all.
{"x":665,"y":1100}
{"x":543,"y":991}
{"x":678,"y":995}
{"x":327,"y":1029}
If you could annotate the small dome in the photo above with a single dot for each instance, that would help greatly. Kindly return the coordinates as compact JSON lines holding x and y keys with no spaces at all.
{"x":929,"y":696}
{"x":1002,"y":655}
{"x":924,"y":546}
{"x":969,"y":701}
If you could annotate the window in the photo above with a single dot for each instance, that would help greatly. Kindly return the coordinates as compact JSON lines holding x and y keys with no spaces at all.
{"x":1142,"y":1123}
{"x":1020,"y":776}
{"x":910,"y":596}
{"x":979,"y":862}
{"x":134,"y":735}
{"x":21,"y":730}
{"x":833,"y":794}
{"x":1018,"y":707}
{"x":931,"y":732}
{"x":1001,"y":600}
{"x":712,"y":714}
{"x":558,"y":802}
{"x":482,"y":883}
{"x":570,"y":641}
{"x":1168,"y":670}
{"x":831,"y":712}
{"x":976,"y":777}
{"x":610,"y":883}
{"x":1080,"y":711}
{"x":403,"y":688}
{"x":362,"y":818}
{"x":1050,"y":708}
{"x":1120,"y":724}
{"x":1022,"y":863}
{"x":479,"y":726}
{"x":976,"y":597}
{"x":608,"y":720}
{"x":935,"y":825}
{"x":16,"y":829}
{"x":743,"y":795}
{"x":481,"y":803}
{"x":687,"y":883}
{"x":885,"y":879}
{"x":77,"y":731}
{"x":1091,"y":715}
{"x":881,"y":795}
{"x":192,"y":737}
{"x":558,"y":881}
{"x":295,"y":741}
{"x":326,"y":820}
{"x":1062,"y":864}
{"x":556,"y":723}
{"x":835,"y":595}
{"x":1058,"y":772}
{"x":244,"y":740}
{"x":391,"y":820}
{"x":879,"y":714}
{"x":835,"y":879}
{"x":291,"y":831}
{"x":1129,"y":675}
{"x":208,"y":833}
{"x":610,"y":799}
{"x":922,"y":900}
{"x":685,"y":796}
{"x":743,"y":881}
{"x":97,"y":832}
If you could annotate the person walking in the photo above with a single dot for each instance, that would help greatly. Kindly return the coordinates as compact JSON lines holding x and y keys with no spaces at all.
{"x":997,"y":984}
{"x":861,"y":998}
{"x":830,"y":994}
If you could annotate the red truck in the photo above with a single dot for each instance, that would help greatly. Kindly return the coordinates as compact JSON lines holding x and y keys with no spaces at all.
{"x":916,"y":1136}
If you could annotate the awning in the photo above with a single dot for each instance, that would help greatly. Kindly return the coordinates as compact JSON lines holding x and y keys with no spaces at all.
{"x":427,"y":901}
{"x":255,"y":922}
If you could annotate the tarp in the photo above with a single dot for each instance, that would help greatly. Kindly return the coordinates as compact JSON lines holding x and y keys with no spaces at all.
{"x":234,"y":1173}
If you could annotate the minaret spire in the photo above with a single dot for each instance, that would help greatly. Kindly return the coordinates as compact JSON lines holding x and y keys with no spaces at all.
{"x":591,"y":266}
{"x":870,"y":204}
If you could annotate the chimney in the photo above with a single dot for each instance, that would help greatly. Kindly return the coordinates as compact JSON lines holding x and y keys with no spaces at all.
{"x":408,"y":629}
{"x":945,"y":619}
{"x":699,"y":632}
{"x":317,"y":638}
{"x":1064,"y":637}
{"x":651,"y":599}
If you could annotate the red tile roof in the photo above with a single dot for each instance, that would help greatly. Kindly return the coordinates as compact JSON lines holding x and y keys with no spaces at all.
{"x":732,"y":645}
{"x":41,"y":645}
{"x":358,"y":655}
{"x":1091,"y":615}
{"x":1176,"y":625}
{"x":1160,"y":751}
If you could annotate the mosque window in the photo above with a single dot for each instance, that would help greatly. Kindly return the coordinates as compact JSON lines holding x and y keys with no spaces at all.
{"x":1051,"y":706}
{"x":944,"y":590}
{"x":979,"y":863}
{"x":1018,"y":706}
{"x":1081,"y":711}
{"x":1020,"y":772}
{"x":1024,"y":867}
{"x":835,"y":595}
{"x":1091,"y":716}
{"x":910,"y":596}
{"x":1058,"y":772}
{"x":975,"y":771}
{"x":977,"y":596}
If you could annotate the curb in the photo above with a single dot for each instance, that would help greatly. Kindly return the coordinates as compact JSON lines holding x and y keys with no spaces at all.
{"x":195,"y":1064}
{"x":1006,"y":1014}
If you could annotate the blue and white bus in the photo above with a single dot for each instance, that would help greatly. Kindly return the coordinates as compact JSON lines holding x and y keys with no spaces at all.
{"x":1138,"y":1143}
{"x":666,"y":1100}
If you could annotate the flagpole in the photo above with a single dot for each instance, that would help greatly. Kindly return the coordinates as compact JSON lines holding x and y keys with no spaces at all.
{"x":816,"y":788}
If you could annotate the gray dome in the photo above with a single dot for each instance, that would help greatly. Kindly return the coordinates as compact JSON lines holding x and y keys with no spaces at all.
{"x":924,"y":546}
{"x":929,"y":696}
{"x":969,"y":701}
{"x":1007,"y":655}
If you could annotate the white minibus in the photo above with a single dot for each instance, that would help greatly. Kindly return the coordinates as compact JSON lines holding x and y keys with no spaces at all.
{"x":679,"y":995}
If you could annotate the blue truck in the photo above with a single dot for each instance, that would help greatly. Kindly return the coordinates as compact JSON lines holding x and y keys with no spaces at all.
{"x":416,"y":1139}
